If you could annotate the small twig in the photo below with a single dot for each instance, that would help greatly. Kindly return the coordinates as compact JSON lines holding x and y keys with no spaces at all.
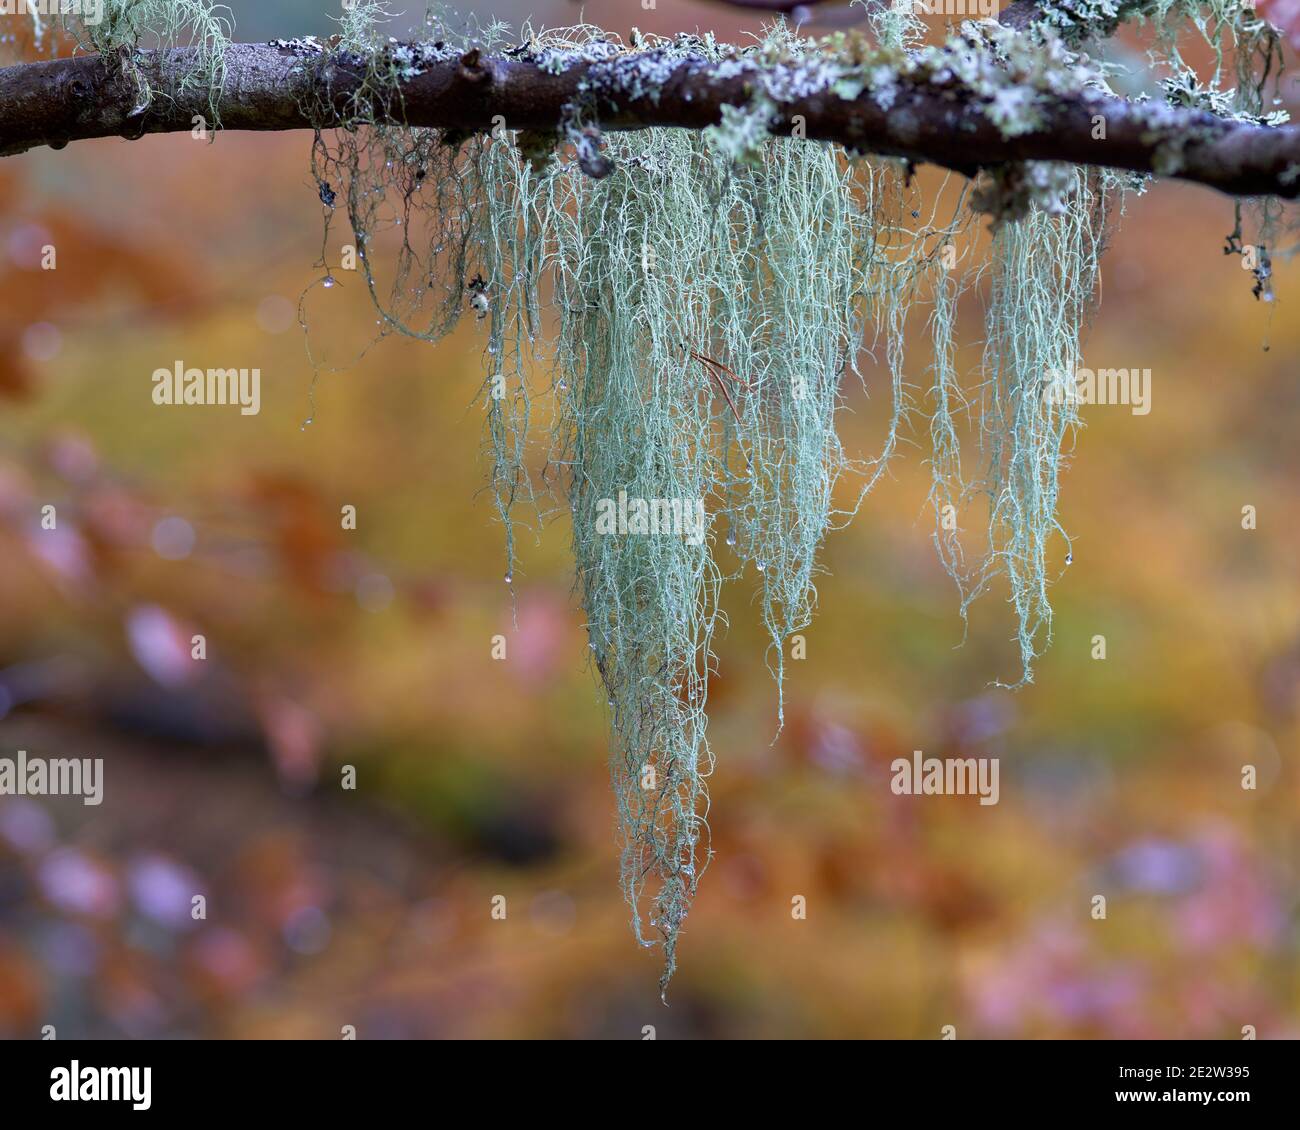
{"x":725,"y":394}
{"x":719,"y":365}
{"x":712,"y":367}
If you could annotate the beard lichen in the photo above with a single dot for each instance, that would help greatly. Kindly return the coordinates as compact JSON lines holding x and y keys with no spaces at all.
{"x":709,"y":298}
{"x":766,"y":269}
{"x":707,"y":294}
{"x":127,"y":27}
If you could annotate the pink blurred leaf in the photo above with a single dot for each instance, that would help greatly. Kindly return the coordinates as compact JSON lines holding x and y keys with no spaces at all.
{"x":160,"y":645}
{"x":293,"y":734}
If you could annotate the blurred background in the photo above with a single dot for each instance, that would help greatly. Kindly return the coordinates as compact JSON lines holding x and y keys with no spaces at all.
{"x":475,"y":778}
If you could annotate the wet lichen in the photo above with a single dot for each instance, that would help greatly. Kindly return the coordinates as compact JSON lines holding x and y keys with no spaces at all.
{"x":707,"y":295}
{"x":127,"y":27}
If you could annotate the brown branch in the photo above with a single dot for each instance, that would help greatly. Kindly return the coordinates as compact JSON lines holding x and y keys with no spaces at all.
{"x":272,"y":86}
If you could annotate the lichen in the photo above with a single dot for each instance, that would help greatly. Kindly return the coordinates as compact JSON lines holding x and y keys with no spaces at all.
{"x":742,"y":131}
{"x":1011,"y":192}
{"x":710,"y":293}
{"x":1044,"y":277}
{"x":126,"y":27}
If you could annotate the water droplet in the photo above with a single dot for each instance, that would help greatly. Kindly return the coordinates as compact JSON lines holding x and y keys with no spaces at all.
{"x":562,"y":385}
{"x":731,"y":537}
{"x":761,"y":566}
{"x":328,"y":281}
{"x":492,"y":346}
{"x":1069,"y":558}
{"x":510,"y":578}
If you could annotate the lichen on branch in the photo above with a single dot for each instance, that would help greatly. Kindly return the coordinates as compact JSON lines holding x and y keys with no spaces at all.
{"x":716,"y":240}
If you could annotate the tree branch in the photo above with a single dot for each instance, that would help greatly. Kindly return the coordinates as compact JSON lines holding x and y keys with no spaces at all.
{"x":299,"y":85}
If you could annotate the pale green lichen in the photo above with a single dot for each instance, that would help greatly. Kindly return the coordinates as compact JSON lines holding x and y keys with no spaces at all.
{"x":742,"y":131}
{"x":1012,"y":192}
{"x":775,"y":266}
{"x":126,"y":27}
{"x":783,"y":260}
{"x":711,"y":293}
{"x":1045,"y":271}
{"x":1246,"y":49}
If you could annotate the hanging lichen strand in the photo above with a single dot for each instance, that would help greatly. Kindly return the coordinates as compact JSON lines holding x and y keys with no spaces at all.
{"x":708,"y":309}
{"x":711,"y":292}
{"x":682,"y":260}
{"x":711,"y":295}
